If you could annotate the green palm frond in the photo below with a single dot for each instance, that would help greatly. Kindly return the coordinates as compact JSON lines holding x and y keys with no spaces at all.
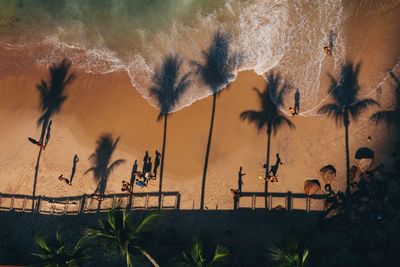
{"x":198,"y":257}
{"x":149,"y":222}
{"x":59,"y":254}
{"x":119,"y":236}
{"x":221,"y":254}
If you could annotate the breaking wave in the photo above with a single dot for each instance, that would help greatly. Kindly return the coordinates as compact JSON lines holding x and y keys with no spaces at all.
{"x":129,"y":36}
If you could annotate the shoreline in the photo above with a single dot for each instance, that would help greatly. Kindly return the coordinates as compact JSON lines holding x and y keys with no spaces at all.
{"x":100,"y":103}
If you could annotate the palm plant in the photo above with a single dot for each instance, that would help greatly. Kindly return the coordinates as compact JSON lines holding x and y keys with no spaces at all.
{"x":52,"y":97}
{"x":390,"y":117}
{"x":269,"y":117}
{"x":168,"y":89}
{"x":288,"y":255}
{"x":346,"y":104}
{"x":59,"y":254}
{"x":101,"y":158}
{"x":199,"y":256}
{"x":216,"y":72}
{"x":118,"y":235}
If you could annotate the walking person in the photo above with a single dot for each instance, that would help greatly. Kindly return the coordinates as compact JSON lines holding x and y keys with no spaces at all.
{"x":157,"y":161}
{"x":274,"y":169}
{"x":240,"y":179}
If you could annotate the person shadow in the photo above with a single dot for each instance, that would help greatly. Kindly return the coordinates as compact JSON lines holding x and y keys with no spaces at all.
{"x":73,"y":171}
{"x":297,"y":102}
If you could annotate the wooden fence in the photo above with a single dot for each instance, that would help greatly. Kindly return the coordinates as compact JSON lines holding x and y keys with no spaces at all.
{"x":89,"y":204}
{"x":291,"y":201}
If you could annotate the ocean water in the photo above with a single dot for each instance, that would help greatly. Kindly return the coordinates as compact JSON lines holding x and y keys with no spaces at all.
{"x":133,"y":36}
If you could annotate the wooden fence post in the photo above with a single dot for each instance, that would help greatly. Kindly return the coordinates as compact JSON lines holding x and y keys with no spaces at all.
{"x":289,"y":199}
{"x":38,"y":204}
{"x":162,"y":201}
{"x":178,"y":201}
{"x":12,"y":203}
{"x":269,"y":203}
{"x":83,"y":204}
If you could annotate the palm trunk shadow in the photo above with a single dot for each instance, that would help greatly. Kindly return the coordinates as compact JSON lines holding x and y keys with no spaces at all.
{"x":267,"y":165}
{"x":162,"y":159}
{"x":203,"y":184}
{"x":35,"y":178}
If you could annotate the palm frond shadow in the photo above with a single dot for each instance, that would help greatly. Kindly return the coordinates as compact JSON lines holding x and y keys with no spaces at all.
{"x":102,"y":164}
{"x":391,"y":118}
{"x":220,"y":63}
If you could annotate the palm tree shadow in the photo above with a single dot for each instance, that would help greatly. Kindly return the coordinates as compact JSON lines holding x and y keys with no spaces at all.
{"x":168,"y":89}
{"x":216,"y":72}
{"x":269,"y":117}
{"x":346,"y":104}
{"x":391,"y":118}
{"x":52,"y":96}
{"x":102,"y":164}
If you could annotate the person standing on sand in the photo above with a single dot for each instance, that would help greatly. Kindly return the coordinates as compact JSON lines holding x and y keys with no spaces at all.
{"x":327,"y":50}
{"x":156,"y":162}
{"x":240,"y":179}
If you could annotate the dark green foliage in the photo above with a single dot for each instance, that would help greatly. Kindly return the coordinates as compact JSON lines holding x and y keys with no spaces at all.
{"x":119,"y":236}
{"x":56,"y":253}
{"x":201,"y":254}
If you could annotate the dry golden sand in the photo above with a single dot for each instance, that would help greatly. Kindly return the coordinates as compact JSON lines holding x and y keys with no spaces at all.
{"x":108,"y":103}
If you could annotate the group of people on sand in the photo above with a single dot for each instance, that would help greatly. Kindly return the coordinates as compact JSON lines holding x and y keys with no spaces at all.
{"x":272,"y":175}
{"x":142,"y":178}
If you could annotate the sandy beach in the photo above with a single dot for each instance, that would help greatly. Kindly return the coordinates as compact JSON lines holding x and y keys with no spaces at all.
{"x":107,"y":103}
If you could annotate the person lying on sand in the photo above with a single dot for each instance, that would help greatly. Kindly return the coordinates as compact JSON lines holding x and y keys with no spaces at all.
{"x":327,"y":50}
{"x":126,"y":187}
{"x":145,"y":176}
{"x":61,"y":177}
{"x":292,"y":111}
{"x":33,"y":141}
